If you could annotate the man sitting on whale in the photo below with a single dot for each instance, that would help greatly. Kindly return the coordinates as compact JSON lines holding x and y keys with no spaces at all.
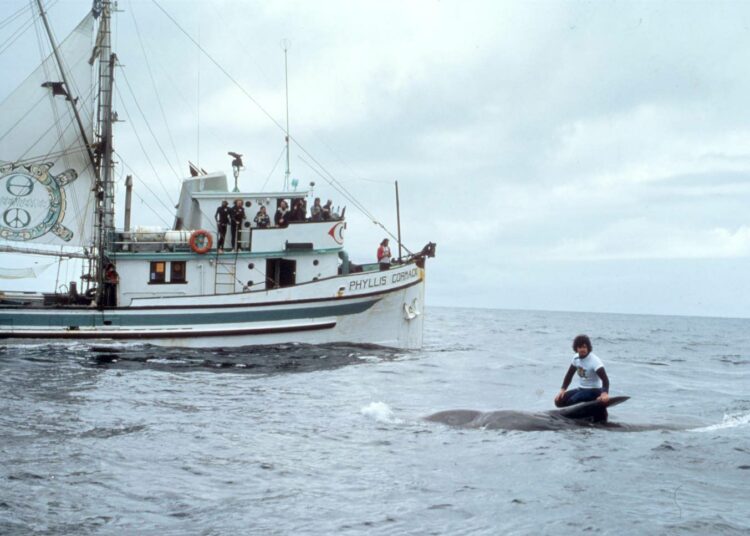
{"x":592,"y":378}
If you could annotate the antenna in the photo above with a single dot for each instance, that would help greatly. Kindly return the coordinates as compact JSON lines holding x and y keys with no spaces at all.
{"x":286,"y":45}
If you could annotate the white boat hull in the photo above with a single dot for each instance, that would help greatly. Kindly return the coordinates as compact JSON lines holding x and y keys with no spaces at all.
{"x":382,"y":308}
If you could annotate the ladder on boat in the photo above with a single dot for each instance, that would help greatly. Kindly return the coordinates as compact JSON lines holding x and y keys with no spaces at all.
{"x":225,"y":273}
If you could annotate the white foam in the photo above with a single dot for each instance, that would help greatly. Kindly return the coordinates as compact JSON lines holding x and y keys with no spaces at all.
{"x":736,"y":420}
{"x":380,"y":412}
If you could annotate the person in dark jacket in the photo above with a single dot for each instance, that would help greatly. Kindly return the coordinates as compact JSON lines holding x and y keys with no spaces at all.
{"x":325,"y":212}
{"x":298,"y":212}
{"x":316,"y":212}
{"x":222,"y":220}
{"x":237,"y":215}
{"x":280,"y":219}
{"x":261,"y":218}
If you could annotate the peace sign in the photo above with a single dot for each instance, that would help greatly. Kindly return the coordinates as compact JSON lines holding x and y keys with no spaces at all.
{"x":16,"y":218}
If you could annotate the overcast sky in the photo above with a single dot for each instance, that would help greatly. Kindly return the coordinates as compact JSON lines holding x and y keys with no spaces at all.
{"x":589,"y":156}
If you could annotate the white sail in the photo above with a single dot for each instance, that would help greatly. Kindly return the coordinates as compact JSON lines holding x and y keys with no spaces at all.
{"x":46,"y":174}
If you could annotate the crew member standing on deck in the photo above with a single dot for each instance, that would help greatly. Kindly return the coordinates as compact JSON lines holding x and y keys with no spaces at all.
{"x":280,"y":219}
{"x":316,"y":212}
{"x":222,"y":220}
{"x":592,"y":378}
{"x":237,"y":215}
{"x":261,"y":218}
{"x":111,"y":279}
{"x":384,"y":255}
{"x":325,"y":212}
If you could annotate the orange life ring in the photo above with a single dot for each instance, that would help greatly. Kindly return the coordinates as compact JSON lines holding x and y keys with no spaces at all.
{"x":203,"y":237}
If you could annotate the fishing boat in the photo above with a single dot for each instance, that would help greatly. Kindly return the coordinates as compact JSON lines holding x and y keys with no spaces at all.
{"x":290,"y":281}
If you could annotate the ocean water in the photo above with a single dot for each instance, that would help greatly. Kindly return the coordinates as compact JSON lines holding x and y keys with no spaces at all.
{"x":129,"y":439}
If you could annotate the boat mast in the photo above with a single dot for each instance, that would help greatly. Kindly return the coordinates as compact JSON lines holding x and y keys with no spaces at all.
{"x":106,"y":206}
{"x":285,"y":45}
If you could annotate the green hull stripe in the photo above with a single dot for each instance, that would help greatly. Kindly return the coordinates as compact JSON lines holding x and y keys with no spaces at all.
{"x":97,"y":319}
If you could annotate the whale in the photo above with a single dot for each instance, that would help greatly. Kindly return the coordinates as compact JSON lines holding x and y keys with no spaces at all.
{"x":583,"y":414}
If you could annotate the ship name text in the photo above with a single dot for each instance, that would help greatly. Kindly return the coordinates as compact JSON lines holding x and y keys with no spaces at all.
{"x":379,"y":281}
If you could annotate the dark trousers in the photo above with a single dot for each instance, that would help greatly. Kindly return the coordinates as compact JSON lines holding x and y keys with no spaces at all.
{"x":222,"y":235}
{"x":110,"y":294}
{"x":574,"y":396}
{"x":236,"y":226}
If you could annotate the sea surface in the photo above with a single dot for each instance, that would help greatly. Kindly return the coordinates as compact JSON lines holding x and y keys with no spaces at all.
{"x":131,"y":439}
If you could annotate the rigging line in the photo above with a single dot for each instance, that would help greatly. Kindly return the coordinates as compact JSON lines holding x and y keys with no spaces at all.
{"x":339,"y":188}
{"x":247,"y":51}
{"x":283,"y":150}
{"x":143,"y":149}
{"x":71,"y":118}
{"x":348,"y":195}
{"x":343,"y":163}
{"x":10,"y":18}
{"x":320,"y":174}
{"x":218,"y":66}
{"x":374,"y":221}
{"x":12,"y":38}
{"x":153,"y":81}
{"x":54,"y":125}
{"x":14,"y":125}
{"x":30,"y":75}
{"x":51,"y":155}
{"x":152,"y":209}
{"x":148,"y":125}
{"x":132,"y":171}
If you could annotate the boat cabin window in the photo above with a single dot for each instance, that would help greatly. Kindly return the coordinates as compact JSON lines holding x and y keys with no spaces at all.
{"x":177,"y":272}
{"x":158,"y":272}
{"x":280,"y":273}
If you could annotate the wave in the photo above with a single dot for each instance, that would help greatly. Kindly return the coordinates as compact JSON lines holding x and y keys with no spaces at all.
{"x":379,"y":412}
{"x":732,"y":420}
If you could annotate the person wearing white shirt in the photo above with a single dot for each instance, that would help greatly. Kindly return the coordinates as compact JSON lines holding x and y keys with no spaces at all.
{"x":593,"y":383}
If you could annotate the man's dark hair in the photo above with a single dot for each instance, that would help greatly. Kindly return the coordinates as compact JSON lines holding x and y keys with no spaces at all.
{"x":582,"y":340}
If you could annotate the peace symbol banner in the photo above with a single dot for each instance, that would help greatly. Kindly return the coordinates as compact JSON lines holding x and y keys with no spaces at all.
{"x":46,"y":177}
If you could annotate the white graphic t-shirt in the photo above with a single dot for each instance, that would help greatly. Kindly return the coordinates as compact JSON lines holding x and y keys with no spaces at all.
{"x":586,"y":371}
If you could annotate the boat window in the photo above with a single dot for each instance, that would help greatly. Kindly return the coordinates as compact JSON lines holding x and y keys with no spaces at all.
{"x":158,"y":271}
{"x":177,"y":272}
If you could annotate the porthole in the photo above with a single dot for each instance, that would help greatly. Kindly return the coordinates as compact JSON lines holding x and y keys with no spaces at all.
{"x":249,"y":283}
{"x":316,"y":262}
{"x":248,"y":203}
{"x":251,"y":265}
{"x":247,"y":224}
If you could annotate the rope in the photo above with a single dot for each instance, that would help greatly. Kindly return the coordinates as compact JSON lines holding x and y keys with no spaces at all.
{"x":12,"y":38}
{"x":283,"y":150}
{"x":10,"y":18}
{"x":144,"y":183}
{"x":143,"y":148}
{"x":324,"y":173}
{"x":148,"y":125}
{"x":153,"y":81}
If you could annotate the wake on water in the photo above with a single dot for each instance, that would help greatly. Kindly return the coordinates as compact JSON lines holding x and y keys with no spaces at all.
{"x":735,"y":420}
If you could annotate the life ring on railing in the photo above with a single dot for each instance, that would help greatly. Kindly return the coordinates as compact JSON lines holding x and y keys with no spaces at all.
{"x":200,"y":241}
